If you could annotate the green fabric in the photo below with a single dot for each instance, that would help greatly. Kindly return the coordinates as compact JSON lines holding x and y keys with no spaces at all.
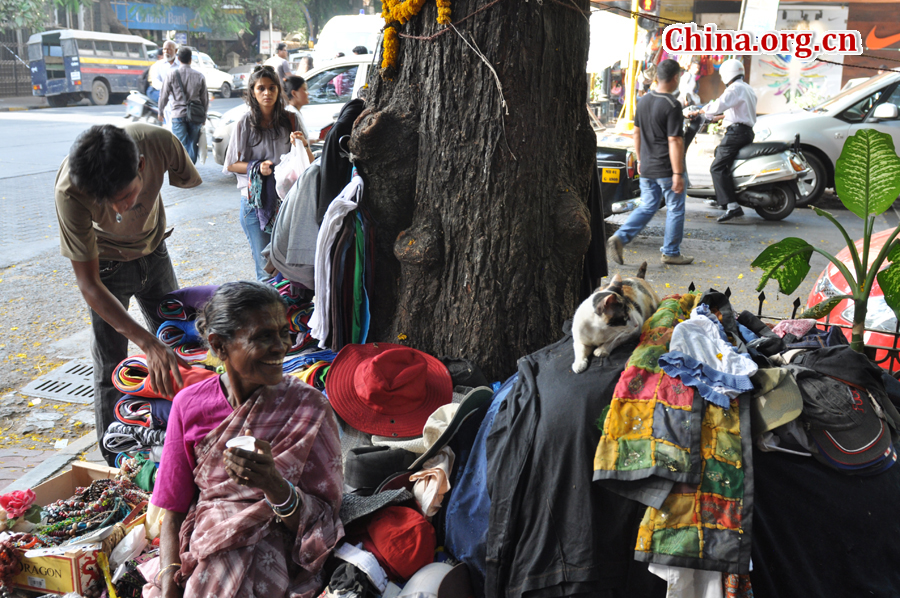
{"x":144,"y":478}
{"x":358,"y":274}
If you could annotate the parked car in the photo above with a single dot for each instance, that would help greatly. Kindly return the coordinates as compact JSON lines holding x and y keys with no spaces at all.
{"x":240,"y":74}
{"x":330,"y":87}
{"x":881,"y":322}
{"x":217,"y":81}
{"x":824,"y":129}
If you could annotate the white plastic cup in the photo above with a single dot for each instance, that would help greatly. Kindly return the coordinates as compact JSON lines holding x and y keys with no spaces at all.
{"x":248,"y":443}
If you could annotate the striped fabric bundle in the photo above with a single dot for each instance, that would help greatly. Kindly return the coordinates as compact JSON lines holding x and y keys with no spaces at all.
{"x":314,"y":375}
{"x":298,"y":317}
{"x":184,"y":304}
{"x":130,"y":377}
{"x":147,"y":413}
{"x":298,"y":362}
{"x":176,"y":332}
{"x":120,"y":438}
{"x":192,"y":352}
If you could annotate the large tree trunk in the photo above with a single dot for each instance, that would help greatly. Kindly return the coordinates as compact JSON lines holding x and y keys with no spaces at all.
{"x":481,"y":216}
{"x":108,"y":14}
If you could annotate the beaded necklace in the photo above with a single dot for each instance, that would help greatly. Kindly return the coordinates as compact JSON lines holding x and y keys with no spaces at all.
{"x":98,"y":505}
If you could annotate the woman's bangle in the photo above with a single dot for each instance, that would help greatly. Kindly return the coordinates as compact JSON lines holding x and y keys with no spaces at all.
{"x":293,"y":507}
{"x":164,"y":569}
{"x":286,"y":501}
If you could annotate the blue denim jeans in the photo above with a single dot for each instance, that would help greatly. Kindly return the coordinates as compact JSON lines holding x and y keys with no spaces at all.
{"x":652,"y":190}
{"x":189,"y":135}
{"x":153,"y":93}
{"x":258,"y":238}
{"x":148,"y":279}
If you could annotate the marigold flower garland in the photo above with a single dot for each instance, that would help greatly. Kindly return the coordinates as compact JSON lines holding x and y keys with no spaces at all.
{"x":396,"y":12}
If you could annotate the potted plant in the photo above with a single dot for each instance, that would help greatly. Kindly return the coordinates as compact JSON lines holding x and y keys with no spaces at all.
{"x":867,"y":181}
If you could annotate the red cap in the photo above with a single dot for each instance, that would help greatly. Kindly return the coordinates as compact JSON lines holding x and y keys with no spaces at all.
{"x":402,"y":540}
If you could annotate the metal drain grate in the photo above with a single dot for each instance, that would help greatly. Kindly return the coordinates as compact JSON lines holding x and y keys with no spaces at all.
{"x":70,"y":383}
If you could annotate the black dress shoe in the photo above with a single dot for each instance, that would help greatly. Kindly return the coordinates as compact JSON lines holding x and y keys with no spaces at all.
{"x":730,"y":215}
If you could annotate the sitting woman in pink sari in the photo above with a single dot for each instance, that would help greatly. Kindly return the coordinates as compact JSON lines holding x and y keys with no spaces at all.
{"x":239,"y":522}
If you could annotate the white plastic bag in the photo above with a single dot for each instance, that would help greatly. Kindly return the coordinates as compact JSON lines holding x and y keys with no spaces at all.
{"x":289,"y":169}
{"x":129,"y":547}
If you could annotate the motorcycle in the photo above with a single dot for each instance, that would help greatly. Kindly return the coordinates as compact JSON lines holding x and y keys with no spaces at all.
{"x":139,"y":107}
{"x":765,"y":174}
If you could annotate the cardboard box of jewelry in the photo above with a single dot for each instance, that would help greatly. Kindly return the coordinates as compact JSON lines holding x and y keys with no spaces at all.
{"x":63,"y":569}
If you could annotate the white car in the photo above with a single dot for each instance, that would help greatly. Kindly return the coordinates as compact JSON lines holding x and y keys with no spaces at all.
{"x":823,"y":130}
{"x":330,"y":87}
{"x":217,"y":81}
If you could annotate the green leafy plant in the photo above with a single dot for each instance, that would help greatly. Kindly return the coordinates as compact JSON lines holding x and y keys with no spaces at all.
{"x":867,"y":181}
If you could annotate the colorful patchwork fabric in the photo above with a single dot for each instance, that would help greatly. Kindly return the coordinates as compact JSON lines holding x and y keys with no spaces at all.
{"x":684,"y":457}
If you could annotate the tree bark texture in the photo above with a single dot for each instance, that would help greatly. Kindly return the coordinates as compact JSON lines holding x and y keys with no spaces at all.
{"x":482,"y":219}
{"x":108,"y":14}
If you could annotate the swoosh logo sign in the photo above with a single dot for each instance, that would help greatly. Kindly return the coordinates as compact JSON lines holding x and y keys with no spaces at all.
{"x":873,"y":42}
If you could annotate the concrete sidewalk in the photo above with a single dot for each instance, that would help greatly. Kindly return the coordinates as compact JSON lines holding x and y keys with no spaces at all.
{"x":23,"y":103}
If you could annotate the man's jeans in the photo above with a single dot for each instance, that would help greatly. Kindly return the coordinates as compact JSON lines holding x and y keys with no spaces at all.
{"x":148,"y":279}
{"x":652,"y":190}
{"x":258,"y":238}
{"x":188,"y":134}
{"x":153,"y":93}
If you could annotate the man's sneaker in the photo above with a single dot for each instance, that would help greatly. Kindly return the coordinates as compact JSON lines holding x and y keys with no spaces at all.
{"x":731,"y":214}
{"x":711,"y":203}
{"x":676,"y":260}
{"x":614,"y":248}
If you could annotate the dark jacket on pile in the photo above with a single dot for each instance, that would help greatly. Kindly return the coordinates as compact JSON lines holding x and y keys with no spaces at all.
{"x":553,"y":532}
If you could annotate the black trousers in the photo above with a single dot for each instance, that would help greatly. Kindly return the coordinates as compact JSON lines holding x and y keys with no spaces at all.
{"x":148,"y":279}
{"x":736,"y":137}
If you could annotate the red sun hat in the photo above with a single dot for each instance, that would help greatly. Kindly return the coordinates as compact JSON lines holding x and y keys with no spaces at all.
{"x":387,"y":389}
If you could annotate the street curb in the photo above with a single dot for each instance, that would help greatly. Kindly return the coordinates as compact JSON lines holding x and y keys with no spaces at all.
{"x":53,"y":465}
{"x":21,"y":108}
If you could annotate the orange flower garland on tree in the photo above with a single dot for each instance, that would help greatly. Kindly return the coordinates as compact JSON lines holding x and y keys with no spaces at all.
{"x":396,"y":11}
{"x":391,"y":46}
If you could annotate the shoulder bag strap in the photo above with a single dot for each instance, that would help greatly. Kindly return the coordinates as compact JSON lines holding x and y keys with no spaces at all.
{"x":181,"y":83}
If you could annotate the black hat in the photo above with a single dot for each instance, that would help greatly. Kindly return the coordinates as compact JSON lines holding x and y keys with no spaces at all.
{"x":354,"y":506}
{"x":367,"y":466}
{"x":846,"y":424}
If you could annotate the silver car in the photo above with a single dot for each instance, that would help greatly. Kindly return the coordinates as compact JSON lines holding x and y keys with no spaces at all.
{"x":330,"y":87}
{"x":824,"y":129}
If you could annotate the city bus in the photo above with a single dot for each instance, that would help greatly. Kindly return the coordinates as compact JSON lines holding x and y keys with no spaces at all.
{"x":68,"y":65}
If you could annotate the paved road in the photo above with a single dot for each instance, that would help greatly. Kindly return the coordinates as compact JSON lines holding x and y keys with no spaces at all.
{"x":33,"y":143}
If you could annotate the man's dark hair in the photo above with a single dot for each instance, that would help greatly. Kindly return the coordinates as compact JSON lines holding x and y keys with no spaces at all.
{"x":281,"y":46}
{"x":667,"y":70}
{"x":103,"y":161}
{"x":185,"y":55}
{"x":360,"y":50}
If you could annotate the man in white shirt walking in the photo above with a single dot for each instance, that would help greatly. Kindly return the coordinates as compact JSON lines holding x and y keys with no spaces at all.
{"x":279,"y":62}
{"x":738,"y":104}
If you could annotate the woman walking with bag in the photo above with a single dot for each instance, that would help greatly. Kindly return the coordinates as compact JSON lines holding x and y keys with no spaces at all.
{"x":260,"y":138}
{"x":297,"y":95}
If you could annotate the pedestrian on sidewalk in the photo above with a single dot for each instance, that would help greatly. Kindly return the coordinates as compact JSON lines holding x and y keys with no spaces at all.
{"x":161,"y":68}
{"x":181,"y":86}
{"x":112,"y":226}
{"x":261,"y":136}
{"x":659,"y":144}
